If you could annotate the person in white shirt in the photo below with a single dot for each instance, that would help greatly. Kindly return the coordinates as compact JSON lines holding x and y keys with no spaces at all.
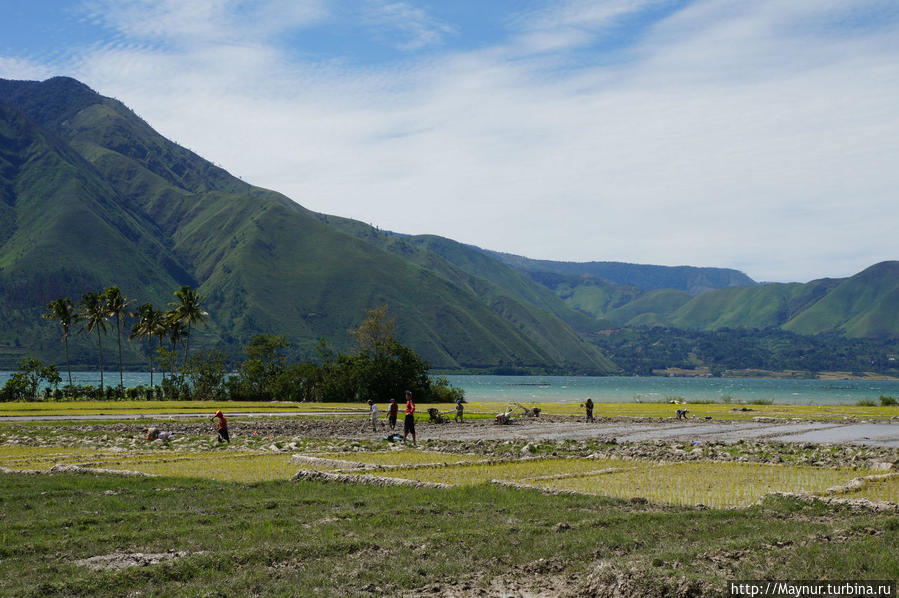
{"x":374,"y":415}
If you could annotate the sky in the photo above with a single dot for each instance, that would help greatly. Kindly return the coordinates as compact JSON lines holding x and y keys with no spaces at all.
{"x":761,"y":136}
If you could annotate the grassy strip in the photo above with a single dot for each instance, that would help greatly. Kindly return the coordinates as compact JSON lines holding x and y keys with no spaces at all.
{"x":330,"y":539}
{"x":477,"y":410}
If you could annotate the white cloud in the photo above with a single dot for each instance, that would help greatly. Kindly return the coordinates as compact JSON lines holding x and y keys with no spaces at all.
{"x":23,"y":69}
{"x":404,"y":26}
{"x":756,"y":135}
{"x":203,"y":21}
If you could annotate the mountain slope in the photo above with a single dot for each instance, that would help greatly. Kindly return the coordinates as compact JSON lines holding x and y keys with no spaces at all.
{"x":692,"y":279}
{"x":159,"y":216}
{"x":504,"y":290}
{"x":865,"y":305}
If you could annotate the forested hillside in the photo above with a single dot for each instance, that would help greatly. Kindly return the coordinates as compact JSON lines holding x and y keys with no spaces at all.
{"x":99,"y":198}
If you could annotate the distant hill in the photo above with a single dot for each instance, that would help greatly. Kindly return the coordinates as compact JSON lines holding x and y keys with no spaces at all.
{"x":863,"y":306}
{"x":92,"y":196}
{"x":690,"y":298}
{"x":691,"y":279}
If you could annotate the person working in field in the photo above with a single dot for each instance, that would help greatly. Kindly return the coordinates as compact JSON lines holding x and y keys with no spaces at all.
{"x":588,"y":405}
{"x":391,"y":413}
{"x":409,"y":422}
{"x":222,"y":427}
{"x":459,"y":411}
{"x":373,"y":409}
{"x":155,"y":434}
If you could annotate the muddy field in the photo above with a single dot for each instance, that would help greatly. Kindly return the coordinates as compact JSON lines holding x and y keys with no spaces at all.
{"x":874,"y":445}
{"x":554,"y":427}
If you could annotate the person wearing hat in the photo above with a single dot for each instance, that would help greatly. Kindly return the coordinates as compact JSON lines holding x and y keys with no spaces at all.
{"x":589,"y":408}
{"x":222,"y":427}
{"x":409,"y":422}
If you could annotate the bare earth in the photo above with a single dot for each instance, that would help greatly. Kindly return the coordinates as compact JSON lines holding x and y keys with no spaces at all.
{"x":875,"y":434}
{"x":881,"y":434}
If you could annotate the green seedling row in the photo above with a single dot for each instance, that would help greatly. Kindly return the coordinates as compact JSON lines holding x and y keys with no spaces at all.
{"x":713,"y":484}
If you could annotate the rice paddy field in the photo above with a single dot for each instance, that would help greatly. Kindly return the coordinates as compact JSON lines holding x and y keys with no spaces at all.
{"x":705,"y":483}
{"x":557,"y":518}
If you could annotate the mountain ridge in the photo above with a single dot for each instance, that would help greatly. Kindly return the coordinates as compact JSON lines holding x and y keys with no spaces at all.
{"x":91,"y":196}
{"x":265,"y":263}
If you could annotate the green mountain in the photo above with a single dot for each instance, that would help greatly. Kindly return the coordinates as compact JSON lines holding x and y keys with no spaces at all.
{"x":688,"y":298}
{"x":92,"y":196}
{"x":692,"y":279}
{"x":863,"y":306}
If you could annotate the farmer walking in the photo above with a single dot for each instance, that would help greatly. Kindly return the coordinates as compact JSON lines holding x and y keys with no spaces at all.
{"x":409,"y":422}
{"x":222,"y":427}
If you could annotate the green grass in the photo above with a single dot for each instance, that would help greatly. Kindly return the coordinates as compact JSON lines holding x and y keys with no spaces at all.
{"x":303,"y":539}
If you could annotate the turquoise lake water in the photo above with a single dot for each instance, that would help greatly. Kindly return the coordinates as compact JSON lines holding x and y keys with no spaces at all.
{"x":651,"y":389}
{"x":620,"y":388}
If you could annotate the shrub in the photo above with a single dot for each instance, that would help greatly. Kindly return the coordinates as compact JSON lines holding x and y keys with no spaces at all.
{"x":887,"y":401}
{"x":442,"y":392}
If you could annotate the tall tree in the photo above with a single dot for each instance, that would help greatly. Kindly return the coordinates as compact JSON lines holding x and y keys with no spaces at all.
{"x":188,"y":310}
{"x":374,"y":337}
{"x":63,"y":312}
{"x":150,"y":323}
{"x":175,"y":329}
{"x":117,"y":309}
{"x":93,"y":312}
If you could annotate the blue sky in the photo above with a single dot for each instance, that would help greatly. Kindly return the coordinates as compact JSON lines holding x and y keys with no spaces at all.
{"x":757,"y":135}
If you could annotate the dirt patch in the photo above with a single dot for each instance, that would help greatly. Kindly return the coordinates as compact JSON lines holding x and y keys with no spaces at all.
{"x":540,"y":579}
{"x":123,"y":560}
{"x":853,"y":504}
{"x":610,"y":581}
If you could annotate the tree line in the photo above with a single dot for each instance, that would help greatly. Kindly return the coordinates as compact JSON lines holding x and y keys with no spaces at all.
{"x":97,"y":309}
{"x":641,"y":350}
{"x":379,"y":367}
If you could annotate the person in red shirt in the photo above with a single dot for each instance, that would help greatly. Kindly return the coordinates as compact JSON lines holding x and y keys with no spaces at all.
{"x":223,"y":426}
{"x":391,"y":413}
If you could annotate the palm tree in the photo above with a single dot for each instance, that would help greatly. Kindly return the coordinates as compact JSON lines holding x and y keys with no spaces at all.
{"x":150,"y":323}
{"x":175,"y":329}
{"x":93,"y":312}
{"x":187,"y":309}
{"x":63,"y":312}
{"x":117,"y":308}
